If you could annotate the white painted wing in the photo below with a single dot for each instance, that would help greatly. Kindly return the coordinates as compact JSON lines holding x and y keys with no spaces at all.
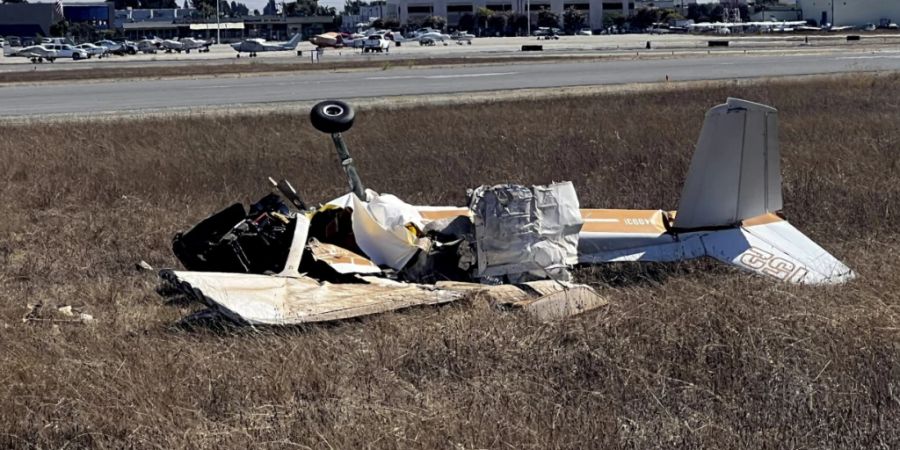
{"x":276,"y":300}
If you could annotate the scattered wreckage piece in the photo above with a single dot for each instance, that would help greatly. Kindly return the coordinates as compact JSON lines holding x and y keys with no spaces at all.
{"x":279,"y":300}
{"x":545,"y":300}
{"x":367,"y":253}
{"x":39,"y":312}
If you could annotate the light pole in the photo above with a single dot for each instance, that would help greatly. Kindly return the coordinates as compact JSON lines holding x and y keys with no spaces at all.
{"x":218,"y":30}
{"x":528,"y":17}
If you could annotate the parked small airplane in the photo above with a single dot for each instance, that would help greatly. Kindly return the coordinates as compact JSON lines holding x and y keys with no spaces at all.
{"x":36,"y":53}
{"x":429,"y":38}
{"x":462,"y":36}
{"x":185,"y":45}
{"x":330,"y":39}
{"x":254,"y":46}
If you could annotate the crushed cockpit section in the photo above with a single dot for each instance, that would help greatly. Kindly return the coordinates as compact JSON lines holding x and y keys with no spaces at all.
{"x":274,"y":264}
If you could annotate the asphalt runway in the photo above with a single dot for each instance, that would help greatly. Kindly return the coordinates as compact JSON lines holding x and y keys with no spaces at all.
{"x":81,"y":98}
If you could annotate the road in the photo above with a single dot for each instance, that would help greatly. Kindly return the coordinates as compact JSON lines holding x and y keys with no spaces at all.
{"x":139,"y":95}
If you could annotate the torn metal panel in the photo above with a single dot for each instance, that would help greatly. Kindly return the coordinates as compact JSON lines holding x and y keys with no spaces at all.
{"x":273,"y":300}
{"x":546,"y":300}
{"x":340,"y":259}
{"x":522,"y":231}
{"x":381,"y":227}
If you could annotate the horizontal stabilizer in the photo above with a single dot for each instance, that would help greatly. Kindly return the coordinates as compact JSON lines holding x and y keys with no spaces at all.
{"x":777,"y":250}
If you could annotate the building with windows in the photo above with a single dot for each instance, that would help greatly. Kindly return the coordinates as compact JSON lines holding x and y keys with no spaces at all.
{"x":100,"y":15}
{"x":26,"y":19}
{"x":416,"y":11}
{"x":849,"y":12}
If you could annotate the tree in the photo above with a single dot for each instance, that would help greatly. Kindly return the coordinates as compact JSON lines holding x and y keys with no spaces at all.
{"x":573,"y":20}
{"x":158,"y":4}
{"x":466,"y":22}
{"x":519,"y":23}
{"x":239,"y":9}
{"x":255,"y":12}
{"x":301,"y":8}
{"x":391,"y":23}
{"x":547,"y":18}
{"x":497,"y":22}
{"x":270,"y":9}
{"x":436,"y":22}
{"x":351,"y":7}
{"x":481,"y":17}
{"x":644,"y":18}
{"x":185,"y":5}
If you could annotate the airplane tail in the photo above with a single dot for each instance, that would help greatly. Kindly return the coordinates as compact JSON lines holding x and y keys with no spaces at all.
{"x":732,"y":195}
{"x":735,"y":172}
{"x":294,"y":42}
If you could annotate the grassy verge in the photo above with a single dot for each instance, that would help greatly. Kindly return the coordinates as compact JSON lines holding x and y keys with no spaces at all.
{"x":204,"y":68}
{"x":691,"y":356}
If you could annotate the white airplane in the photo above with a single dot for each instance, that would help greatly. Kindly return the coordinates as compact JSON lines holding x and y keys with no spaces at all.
{"x":93,"y":50}
{"x":36,"y":53}
{"x":254,"y":46}
{"x":730,"y":210}
{"x":428,"y":38}
{"x":185,"y":45}
{"x":462,"y":36}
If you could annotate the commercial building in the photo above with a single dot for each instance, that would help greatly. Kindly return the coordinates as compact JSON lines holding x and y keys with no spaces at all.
{"x":415,"y":11}
{"x":848,"y":12}
{"x":100,"y":15}
{"x":27,"y":19}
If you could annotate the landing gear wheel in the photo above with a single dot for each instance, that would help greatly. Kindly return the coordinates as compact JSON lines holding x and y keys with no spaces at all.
{"x":332,"y":116}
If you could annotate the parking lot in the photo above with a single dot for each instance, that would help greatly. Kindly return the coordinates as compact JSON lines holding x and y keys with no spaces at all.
{"x":626,"y":44}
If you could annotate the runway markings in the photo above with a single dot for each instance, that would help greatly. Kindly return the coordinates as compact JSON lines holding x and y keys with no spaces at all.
{"x":441,"y":77}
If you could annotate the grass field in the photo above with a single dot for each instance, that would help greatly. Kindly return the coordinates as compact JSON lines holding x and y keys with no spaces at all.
{"x":694,"y":355}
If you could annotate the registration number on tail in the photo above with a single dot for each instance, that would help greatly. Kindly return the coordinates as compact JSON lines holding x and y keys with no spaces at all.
{"x":775,"y":266}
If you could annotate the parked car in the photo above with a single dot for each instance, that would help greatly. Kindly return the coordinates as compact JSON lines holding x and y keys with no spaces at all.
{"x":585,"y":32}
{"x":14,"y":41}
{"x":93,"y":50}
{"x":67,"y":51}
{"x":376,"y":43}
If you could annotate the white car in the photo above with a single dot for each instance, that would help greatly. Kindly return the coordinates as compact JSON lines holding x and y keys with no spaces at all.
{"x":585,"y":32}
{"x":67,"y":51}
{"x":376,"y":43}
{"x":93,"y":50}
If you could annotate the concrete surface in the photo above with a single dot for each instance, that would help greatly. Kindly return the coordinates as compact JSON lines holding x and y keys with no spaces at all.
{"x":19,"y":100}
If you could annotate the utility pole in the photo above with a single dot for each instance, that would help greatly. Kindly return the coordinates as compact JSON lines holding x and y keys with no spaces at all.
{"x":528,"y":16}
{"x":218,"y":30}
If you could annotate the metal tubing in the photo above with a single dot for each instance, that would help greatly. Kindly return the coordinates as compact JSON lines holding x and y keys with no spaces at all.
{"x":356,"y":185}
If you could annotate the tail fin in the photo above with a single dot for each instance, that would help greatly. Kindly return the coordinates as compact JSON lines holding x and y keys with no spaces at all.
{"x":735,"y":172}
{"x":735,"y":183}
{"x":294,"y":42}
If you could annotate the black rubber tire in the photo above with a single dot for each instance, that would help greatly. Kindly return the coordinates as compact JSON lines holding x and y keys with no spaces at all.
{"x":332,"y":116}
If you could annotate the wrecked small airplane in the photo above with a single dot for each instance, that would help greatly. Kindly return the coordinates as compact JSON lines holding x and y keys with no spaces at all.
{"x":363,"y":253}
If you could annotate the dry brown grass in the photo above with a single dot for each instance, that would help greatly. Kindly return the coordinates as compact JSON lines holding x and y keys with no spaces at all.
{"x":690,"y":356}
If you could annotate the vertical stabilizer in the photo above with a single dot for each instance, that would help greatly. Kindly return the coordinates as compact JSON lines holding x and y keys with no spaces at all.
{"x":735,"y":172}
{"x":295,"y":40}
